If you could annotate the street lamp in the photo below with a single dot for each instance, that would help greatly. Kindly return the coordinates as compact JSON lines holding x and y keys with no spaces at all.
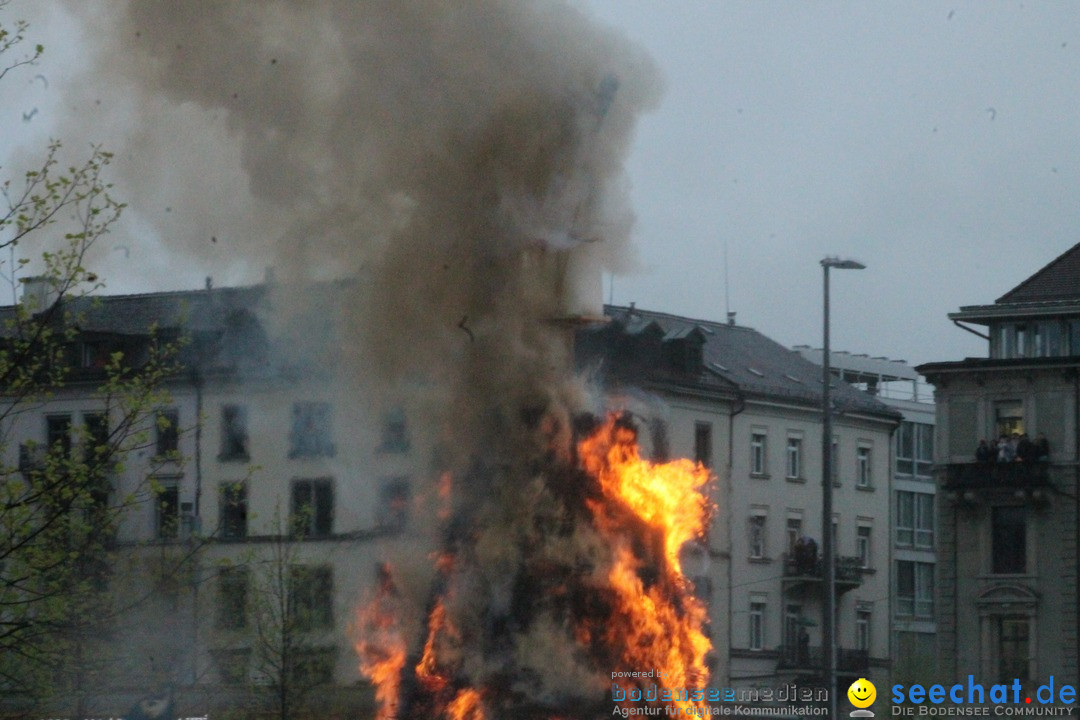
{"x":828,"y":542}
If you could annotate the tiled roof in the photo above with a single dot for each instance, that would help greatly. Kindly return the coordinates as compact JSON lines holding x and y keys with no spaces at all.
{"x":137,"y":314}
{"x":1059,"y":280}
{"x":755,"y":364}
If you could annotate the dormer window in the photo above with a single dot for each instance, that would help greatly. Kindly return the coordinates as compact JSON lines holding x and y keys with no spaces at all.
{"x":683,"y":350}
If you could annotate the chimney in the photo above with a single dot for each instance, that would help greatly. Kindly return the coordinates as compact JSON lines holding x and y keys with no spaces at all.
{"x":731,"y":318}
{"x":39,"y":292}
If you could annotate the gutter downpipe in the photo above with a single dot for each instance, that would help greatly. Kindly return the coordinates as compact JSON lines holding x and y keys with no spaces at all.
{"x":973,"y":332}
{"x":738,"y":407}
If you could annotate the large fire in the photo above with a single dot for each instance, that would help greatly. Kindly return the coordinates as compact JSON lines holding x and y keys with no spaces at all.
{"x":622,"y":605}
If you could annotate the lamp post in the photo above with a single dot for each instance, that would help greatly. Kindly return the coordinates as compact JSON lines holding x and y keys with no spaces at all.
{"x":828,"y":541}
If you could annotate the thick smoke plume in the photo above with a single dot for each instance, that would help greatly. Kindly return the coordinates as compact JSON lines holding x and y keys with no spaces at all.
{"x":452,"y":156}
{"x":461,"y":160}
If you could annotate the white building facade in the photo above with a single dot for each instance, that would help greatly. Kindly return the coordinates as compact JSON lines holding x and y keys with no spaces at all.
{"x":751,"y":409}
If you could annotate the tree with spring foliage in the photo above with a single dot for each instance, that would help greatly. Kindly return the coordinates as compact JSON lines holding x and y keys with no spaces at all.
{"x":58,"y":510}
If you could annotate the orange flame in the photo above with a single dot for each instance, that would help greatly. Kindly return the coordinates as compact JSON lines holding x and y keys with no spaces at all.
{"x":380,"y":645}
{"x":656,"y":625}
{"x":466,"y":706}
{"x":642,"y":614}
{"x":427,"y":670}
{"x":667,"y":496}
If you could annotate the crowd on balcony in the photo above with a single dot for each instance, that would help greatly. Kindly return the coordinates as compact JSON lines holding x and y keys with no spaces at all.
{"x":805,"y":556}
{"x":1015,"y":448}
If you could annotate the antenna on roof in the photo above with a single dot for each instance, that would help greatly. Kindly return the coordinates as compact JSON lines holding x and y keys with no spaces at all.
{"x":727,"y":299}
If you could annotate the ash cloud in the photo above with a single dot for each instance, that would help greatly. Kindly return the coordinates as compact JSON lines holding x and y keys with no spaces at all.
{"x":450,"y":155}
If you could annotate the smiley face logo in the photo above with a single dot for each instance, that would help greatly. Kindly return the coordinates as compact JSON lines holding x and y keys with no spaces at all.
{"x":862,"y":693}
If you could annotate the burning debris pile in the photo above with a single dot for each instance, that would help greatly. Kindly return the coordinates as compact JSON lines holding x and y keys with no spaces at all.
{"x":533,"y":611}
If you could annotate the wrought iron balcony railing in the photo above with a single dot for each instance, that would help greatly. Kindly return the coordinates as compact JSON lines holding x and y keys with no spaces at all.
{"x":813,"y":657}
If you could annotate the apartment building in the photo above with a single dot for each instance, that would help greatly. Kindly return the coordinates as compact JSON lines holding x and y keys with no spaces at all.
{"x":750,"y":409}
{"x":255,"y":484}
{"x":1006,"y":595}
{"x":914,"y":498}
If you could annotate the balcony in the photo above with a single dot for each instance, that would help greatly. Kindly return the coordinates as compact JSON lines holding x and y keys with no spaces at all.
{"x":970,"y":481}
{"x":811,"y":659}
{"x":809,"y":571}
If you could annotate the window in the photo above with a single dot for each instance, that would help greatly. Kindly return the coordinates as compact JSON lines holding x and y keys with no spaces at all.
{"x":1022,"y":349}
{"x":232,"y":665}
{"x":914,"y":519}
{"x":1074,"y":337}
{"x":311,"y":596}
{"x":794,"y":458}
{"x":310,"y":435}
{"x":661,"y":447}
{"x":58,"y":434}
{"x":1009,"y":416}
{"x":166,"y":427}
{"x":395,"y":498}
{"x":96,"y":438}
{"x":863,"y":477}
{"x":757,"y":536}
{"x":915,"y":449}
{"x":905,"y":448}
{"x":863,"y":547}
{"x":1052,"y":338}
{"x":313,"y":507}
{"x":96,"y":452}
{"x":94,"y":355}
{"x":1013,"y":648}
{"x":232,"y":598}
{"x":395,"y":433}
{"x":914,"y":588}
{"x":862,"y":630}
{"x":924,"y":449}
{"x":233,"y":499}
{"x":1008,"y":553}
{"x":757,"y":625}
{"x":793,"y":626}
{"x":309,"y":667}
{"x":757,"y":454}
{"x":167,"y":508}
{"x":703,"y":443}
{"x":234,"y":433}
{"x":794,"y":532}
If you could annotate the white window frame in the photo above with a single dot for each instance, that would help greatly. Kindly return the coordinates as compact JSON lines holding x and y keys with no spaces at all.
{"x":863,"y":624}
{"x":793,"y":455}
{"x":914,"y":519}
{"x":756,"y":625}
{"x":758,"y":446}
{"x":864,"y":457}
{"x":757,"y":526}
{"x":793,"y":538}
{"x":864,"y":544}
{"x":921,"y":602}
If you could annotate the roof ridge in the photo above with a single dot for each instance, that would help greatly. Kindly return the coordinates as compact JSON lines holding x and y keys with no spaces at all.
{"x":673,"y":316}
{"x":1040,"y":273}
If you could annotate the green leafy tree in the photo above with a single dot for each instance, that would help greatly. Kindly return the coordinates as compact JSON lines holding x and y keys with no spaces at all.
{"x":59,"y":512}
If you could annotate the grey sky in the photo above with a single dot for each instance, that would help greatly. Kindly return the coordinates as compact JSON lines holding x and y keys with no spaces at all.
{"x":935,"y":142}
